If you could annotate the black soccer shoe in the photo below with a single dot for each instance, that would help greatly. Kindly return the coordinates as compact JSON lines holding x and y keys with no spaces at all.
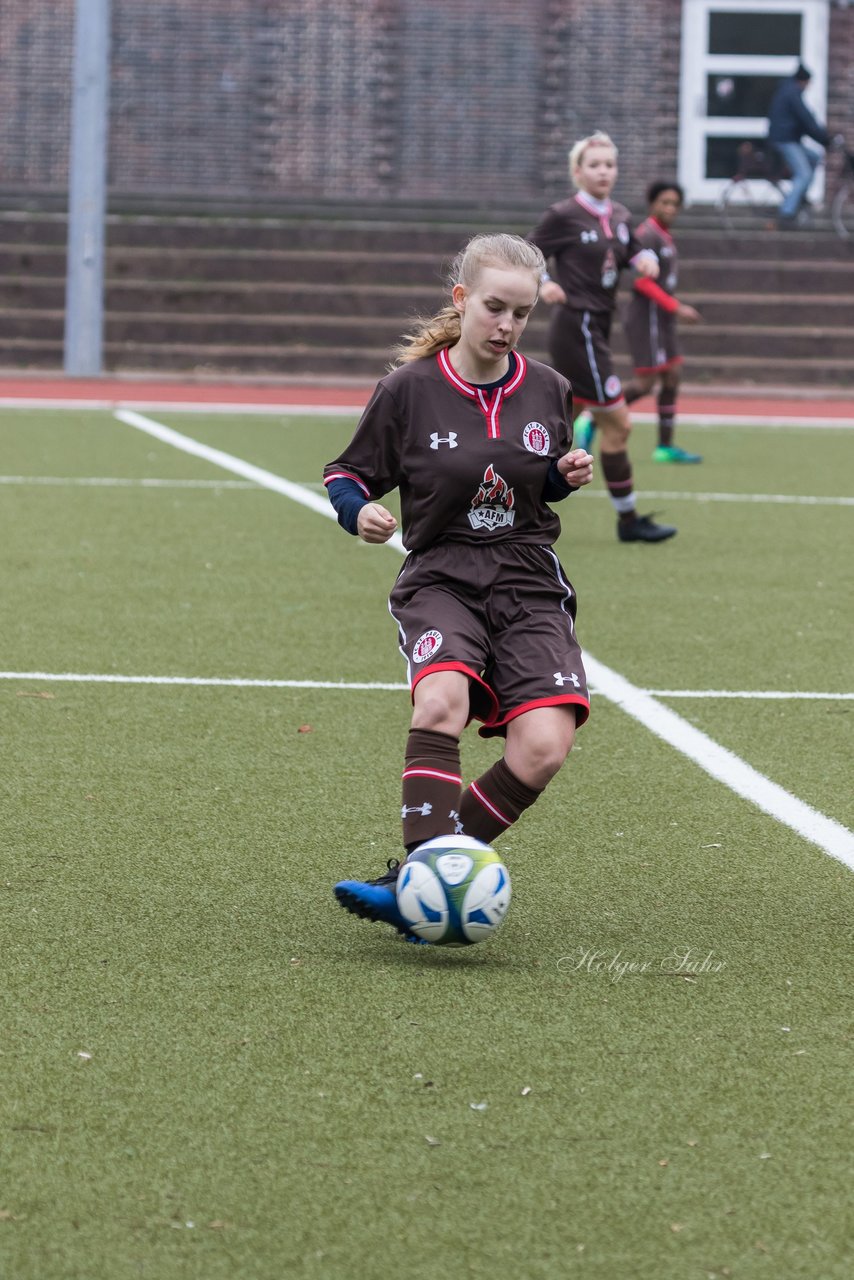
{"x":644,"y":529}
{"x":376,"y":900}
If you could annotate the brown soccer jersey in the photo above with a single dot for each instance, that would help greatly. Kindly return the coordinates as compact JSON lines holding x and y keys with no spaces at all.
{"x":589,"y":249}
{"x":650,"y":328}
{"x":471,"y":463}
{"x":652,"y":235}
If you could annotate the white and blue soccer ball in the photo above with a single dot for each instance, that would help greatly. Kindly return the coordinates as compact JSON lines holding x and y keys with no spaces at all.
{"x":453,"y":891}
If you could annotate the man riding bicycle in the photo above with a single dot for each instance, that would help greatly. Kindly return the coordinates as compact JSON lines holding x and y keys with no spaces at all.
{"x":789,"y":120}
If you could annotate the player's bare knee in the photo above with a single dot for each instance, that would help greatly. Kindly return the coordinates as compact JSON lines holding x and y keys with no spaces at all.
{"x":542,"y":760}
{"x":439,"y":713}
{"x":615,"y":437}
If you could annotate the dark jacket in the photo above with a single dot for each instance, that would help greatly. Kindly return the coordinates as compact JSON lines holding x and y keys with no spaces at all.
{"x":790,"y":118}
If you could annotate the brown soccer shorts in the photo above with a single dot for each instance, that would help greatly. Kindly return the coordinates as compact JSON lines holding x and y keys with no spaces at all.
{"x":579,"y":343}
{"x":651,"y":334}
{"x":501,"y":613}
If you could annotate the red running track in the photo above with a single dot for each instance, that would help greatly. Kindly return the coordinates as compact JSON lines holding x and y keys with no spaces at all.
{"x":734,"y":403}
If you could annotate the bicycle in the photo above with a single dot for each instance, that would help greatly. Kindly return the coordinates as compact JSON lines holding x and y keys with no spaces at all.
{"x":761,"y":183}
{"x":842,"y":205}
{"x":758,"y":186}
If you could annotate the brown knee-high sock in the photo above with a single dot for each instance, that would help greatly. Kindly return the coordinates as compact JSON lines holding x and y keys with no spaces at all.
{"x":617,"y":470}
{"x":431,"y":786}
{"x":666,"y":416}
{"x":492,"y":803}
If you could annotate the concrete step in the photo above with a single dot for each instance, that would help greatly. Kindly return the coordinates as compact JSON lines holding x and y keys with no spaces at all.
{"x":330,"y":294}
{"x":768,"y":371}
{"x":399,"y":302}
{"x":370,"y":363}
{"x":753,"y":340}
{"x":250,"y":266}
{"x":763,"y":276}
{"x":227,"y":298}
{"x":383,"y":331}
{"x":276,"y":266}
{"x":443,"y":236}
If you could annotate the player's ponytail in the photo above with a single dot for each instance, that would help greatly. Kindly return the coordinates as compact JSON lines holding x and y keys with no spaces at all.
{"x":443,"y":329}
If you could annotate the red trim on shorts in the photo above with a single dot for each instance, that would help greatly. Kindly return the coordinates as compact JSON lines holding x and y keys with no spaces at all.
{"x":659,"y":368}
{"x":559,"y":699}
{"x":472,"y":675}
{"x":599,"y":404}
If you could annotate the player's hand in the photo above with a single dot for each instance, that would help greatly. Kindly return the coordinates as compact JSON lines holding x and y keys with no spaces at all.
{"x":551,"y":292}
{"x":576,"y":467}
{"x":646,"y":265}
{"x":689,"y":314}
{"x":375,"y":524}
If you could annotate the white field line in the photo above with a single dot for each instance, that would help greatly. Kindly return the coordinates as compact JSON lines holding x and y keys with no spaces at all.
{"x":726,"y":766}
{"x":808,"y":500}
{"x":266,"y":479}
{"x":791,"y":499}
{"x":233,"y":682}
{"x":123,"y":482}
{"x":701,"y":420}
{"x":151,"y":482}
{"x":829,"y":835}
{"x":768,"y":695}
{"x":246,"y":682}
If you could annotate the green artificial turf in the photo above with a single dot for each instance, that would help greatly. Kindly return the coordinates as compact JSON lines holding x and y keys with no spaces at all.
{"x":271,"y":1088}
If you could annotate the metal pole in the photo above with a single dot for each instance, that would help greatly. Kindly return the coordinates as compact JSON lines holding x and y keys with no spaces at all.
{"x":87,"y":190}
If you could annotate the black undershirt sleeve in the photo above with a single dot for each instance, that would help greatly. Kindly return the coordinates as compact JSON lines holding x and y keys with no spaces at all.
{"x":347,"y":499}
{"x":556,"y":488}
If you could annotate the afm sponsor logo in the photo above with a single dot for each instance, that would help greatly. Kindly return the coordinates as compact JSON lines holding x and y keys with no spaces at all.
{"x":493,"y":505}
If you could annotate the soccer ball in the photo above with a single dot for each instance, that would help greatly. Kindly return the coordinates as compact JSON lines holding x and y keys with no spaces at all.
{"x":453,"y":891}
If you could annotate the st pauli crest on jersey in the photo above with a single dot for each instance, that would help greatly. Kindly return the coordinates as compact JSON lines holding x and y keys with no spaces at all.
{"x":426,"y":645}
{"x":535,"y":438}
{"x":493,"y":506}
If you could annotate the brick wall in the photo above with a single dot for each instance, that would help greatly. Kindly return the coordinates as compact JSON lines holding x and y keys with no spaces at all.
{"x":840,"y":83}
{"x":35,"y":92}
{"x":453,"y":102}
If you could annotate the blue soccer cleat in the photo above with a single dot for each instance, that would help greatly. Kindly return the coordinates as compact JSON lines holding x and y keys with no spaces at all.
{"x":376,"y":900}
{"x":672,"y":453}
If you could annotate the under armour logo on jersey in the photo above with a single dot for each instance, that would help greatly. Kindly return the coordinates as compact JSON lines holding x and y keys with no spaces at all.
{"x":450,"y":439}
{"x":424,"y":809}
{"x":589,"y":237}
{"x":561,"y":680}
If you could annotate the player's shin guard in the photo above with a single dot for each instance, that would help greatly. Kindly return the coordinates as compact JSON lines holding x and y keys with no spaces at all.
{"x":617,"y":470}
{"x":431,"y":786}
{"x":494,"y":802}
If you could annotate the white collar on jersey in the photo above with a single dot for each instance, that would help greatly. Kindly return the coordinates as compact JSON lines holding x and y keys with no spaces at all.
{"x":602,"y":208}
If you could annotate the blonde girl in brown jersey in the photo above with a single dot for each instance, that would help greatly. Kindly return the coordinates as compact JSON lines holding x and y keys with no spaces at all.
{"x":483,"y":608}
{"x":590,"y":241}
